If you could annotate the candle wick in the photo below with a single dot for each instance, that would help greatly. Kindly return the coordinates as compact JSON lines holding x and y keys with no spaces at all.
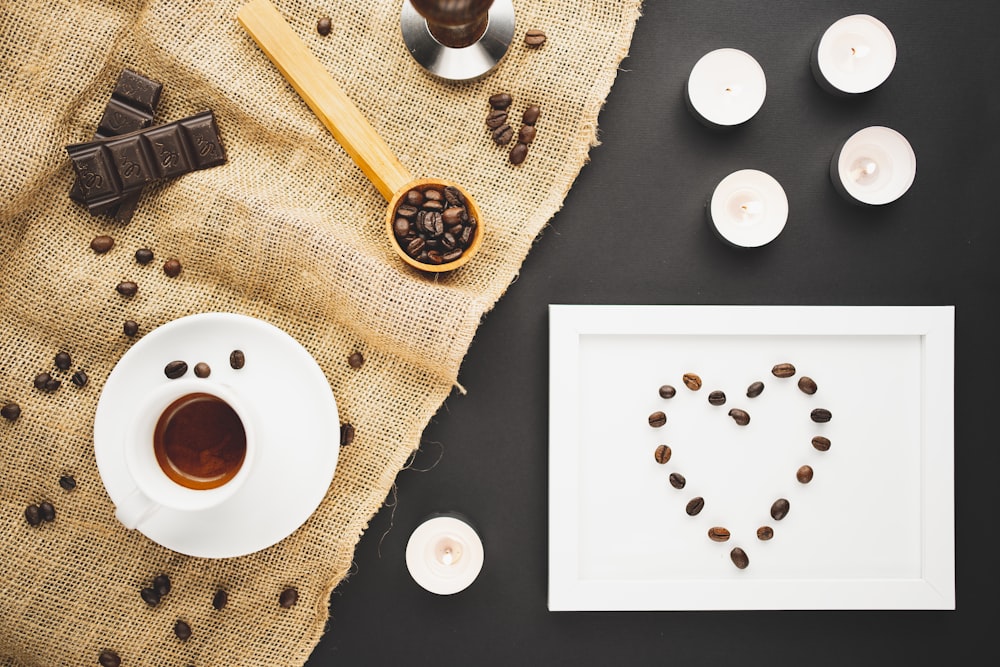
{"x":446,"y":557}
{"x":854,"y":51}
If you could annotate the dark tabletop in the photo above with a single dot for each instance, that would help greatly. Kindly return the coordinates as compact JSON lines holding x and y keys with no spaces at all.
{"x":633,"y":231}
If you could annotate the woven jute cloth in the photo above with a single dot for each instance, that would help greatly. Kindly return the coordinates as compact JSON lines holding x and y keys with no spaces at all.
{"x":289,"y":231}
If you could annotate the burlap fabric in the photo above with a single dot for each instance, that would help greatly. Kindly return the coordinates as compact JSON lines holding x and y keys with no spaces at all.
{"x":289,"y":231}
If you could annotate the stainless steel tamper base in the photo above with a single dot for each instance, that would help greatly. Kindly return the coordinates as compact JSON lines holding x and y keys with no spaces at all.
{"x":464,"y":64}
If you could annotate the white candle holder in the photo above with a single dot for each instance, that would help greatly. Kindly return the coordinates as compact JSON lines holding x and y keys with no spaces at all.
{"x":726,"y":88}
{"x":855,"y":55}
{"x":748,"y":209}
{"x":874,"y":166}
{"x":444,"y":554}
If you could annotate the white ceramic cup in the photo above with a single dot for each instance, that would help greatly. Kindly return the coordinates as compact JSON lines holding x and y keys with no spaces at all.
{"x":153,"y":488}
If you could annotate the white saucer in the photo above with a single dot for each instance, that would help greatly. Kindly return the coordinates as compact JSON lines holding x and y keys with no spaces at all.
{"x":298,"y":431}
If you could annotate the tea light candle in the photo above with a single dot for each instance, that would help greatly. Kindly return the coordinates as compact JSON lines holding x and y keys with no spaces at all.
{"x":726,"y":88}
{"x":444,"y":555}
{"x":855,"y":55}
{"x":748,"y":209}
{"x":874,"y":166}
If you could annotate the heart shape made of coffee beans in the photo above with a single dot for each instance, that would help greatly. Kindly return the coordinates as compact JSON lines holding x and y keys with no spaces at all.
{"x":663,"y":454}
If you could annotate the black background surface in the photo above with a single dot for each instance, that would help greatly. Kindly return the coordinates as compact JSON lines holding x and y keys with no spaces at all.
{"x":632,"y":231}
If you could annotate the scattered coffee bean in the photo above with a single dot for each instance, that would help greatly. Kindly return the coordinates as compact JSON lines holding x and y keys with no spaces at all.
{"x":531,"y":114}
{"x":783,"y":370}
{"x":102,"y":244}
{"x":346,"y":434}
{"x":47,"y":511}
{"x":526,"y":134}
{"x":144,"y":256}
{"x":162,"y":584}
{"x":182,"y":630}
{"x":779,"y":509}
{"x":804,"y":474}
{"x":32,"y":515}
{"x":10,"y":411}
{"x":534,"y":38}
{"x":821,"y":443}
{"x":807,"y":385}
{"x":150,"y":596}
{"x":237,"y":359}
{"x":500,"y":100}
{"x":42,"y":380}
{"x":109,"y":658}
{"x":695,"y":505}
{"x":356,"y":360}
{"x":63,"y":361}
{"x":172,"y":268}
{"x":717,"y":398}
{"x":718,"y":534}
{"x":495,"y":118}
{"x":657,"y":419}
{"x":202,"y":370}
{"x":220,"y":599}
{"x":175,"y":369}
{"x":67,"y":482}
{"x":820,"y":415}
{"x":127,"y":288}
{"x":764,"y":533}
{"x":739,"y":558}
{"x":692,"y":381}
{"x":52,"y":385}
{"x":130,"y":328}
{"x":755,"y":389}
{"x":662,"y":454}
{"x":667,"y":391}
{"x":502,"y":135}
{"x":677,"y":480}
{"x":288,"y":598}
{"x":324,"y":25}
{"x":80,"y":378}
{"x":426,"y":237}
{"x":518,"y":153}
{"x":741,"y":417}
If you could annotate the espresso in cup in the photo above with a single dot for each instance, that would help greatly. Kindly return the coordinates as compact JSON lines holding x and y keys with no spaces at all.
{"x":199,"y":441}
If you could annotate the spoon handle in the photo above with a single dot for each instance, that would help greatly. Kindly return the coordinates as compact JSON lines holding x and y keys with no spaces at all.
{"x":327,"y":100}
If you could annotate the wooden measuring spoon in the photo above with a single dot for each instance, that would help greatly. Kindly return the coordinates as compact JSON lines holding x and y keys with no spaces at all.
{"x":352,"y":130}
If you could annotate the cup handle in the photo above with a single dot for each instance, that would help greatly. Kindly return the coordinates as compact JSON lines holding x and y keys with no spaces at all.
{"x":135,"y":508}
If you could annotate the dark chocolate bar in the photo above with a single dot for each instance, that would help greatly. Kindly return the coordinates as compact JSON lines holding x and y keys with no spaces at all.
{"x":131,"y":107}
{"x":110,"y":170}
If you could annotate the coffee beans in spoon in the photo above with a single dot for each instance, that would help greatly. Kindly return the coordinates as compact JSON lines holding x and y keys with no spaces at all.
{"x":434,"y":224}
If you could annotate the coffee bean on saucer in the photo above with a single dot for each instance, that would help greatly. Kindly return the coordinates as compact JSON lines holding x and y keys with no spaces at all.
{"x":144,"y":256}
{"x":764,"y":533}
{"x":346,"y":434}
{"x":288,"y":598}
{"x":220,"y":599}
{"x":667,"y":391}
{"x":531,"y":114}
{"x":534,"y":38}
{"x":662,"y":454}
{"x":80,"y":378}
{"x":10,"y":411}
{"x":820,"y":443}
{"x":237,"y":359}
{"x":67,"y":482}
{"x":150,"y":596}
{"x":657,"y":419}
{"x":739,"y":558}
{"x":518,"y":153}
{"x":695,"y":505}
{"x":109,"y":658}
{"x":741,"y":417}
{"x":63,"y":361}
{"x":175,"y":369}
{"x":820,"y":415}
{"x":755,"y":389}
{"x":779,"y":509}
{"x":717,"y":398}
{"x":692,"y":381}
{"x":202,"y":370}
{"x":718,"y":534}
{"x":182,"y":630}
{"x":32,"y":515}
{"x":102,"y":244}
{"x":324,"y":25}
{"x":500,"y":100}
{"x":130,"y":328}
{"x":804,"y":474}
{"x":356,"y":360}
{"x":162,"y":584}
{"x":807,"y":385}
{"x":172,"y":268}
{"x":127,"y":288}
{"x":783,"y":370}
{"x":677,"y":480}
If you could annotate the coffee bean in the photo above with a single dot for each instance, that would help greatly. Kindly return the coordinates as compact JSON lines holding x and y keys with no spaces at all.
{"x":150,"y":596}
{"x":52,"y":384}
{"x":502,"y":135}
{"x":739,"y":558}
{"x":717,"y":398}
{"x":32,"y":515}
{"x":677,"y":480}
{"x":755,"y":389}
{"x":127,"y":288}
{"x":401,"y":227}
{"x":820,"y":415}
{"x":452,"y":216}
{"x":10,"y":411}
{"x":534,"y":38}
{"x":130,"y":328}
{"x":80,"y":378}
{"x":662,"y":454}
{"x":804,"y":474}
{"x":807,"y":385}
{"x":324,"y":25}
{"x":414,"y":198}
{"x":454,"y":196}
{"x":740,"y":416}
{"x":144,"y":256}
{"x":695,"y":505}
{"x":451,"y":255}
{"x":821,"y":443}
{"x":237,"y":359}
{"x":63,"y":361}
{"x":500,"y":100}
{"x":182,"y":630}
{"x":346,"y":434}
{"x":162,"y":584}
{"x":172,"y":268}
{"x":67,"y":482}
{"x":667,"y":391}
{"x":288,"y":598}
{"x":415,"y":246}
{"x":109,"y":658}
{"x":102,"y":244}
{"x":531,"y":114}
{"x":779,"y":509}
{"x":718,"y":534}
{"x":657,"y":419}
{"x":692,"y":381}
{"x":220,"y":599}
{"x":526,"y":134}
{"x":408,"y":210}
{"x":356,"y":360}
{"x":202,"y":370}
{"x":783,"y":370}
{"x":41,"y":379}
{"x":518,"y":153}
{"x":175,"y":369}
{"x":496,"y":118}
{"x":47,"y":511}
{"x":764,"y":533}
